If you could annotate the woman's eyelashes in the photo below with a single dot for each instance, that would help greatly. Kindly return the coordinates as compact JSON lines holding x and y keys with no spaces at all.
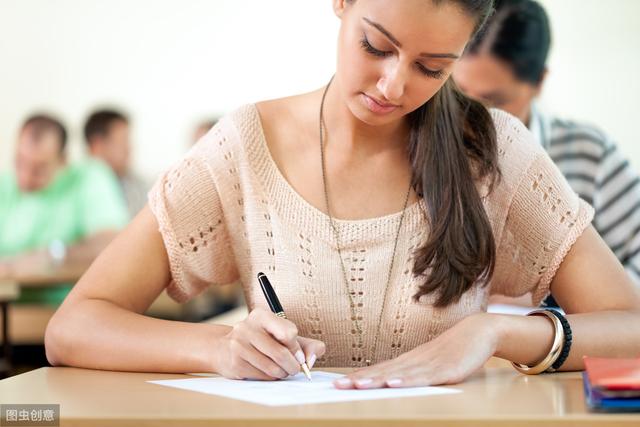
{"x":372,"y":50}
{"x":436,"y":74}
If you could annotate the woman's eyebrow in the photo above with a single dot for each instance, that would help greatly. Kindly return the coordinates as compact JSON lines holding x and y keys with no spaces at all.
{"x":395,"y":41}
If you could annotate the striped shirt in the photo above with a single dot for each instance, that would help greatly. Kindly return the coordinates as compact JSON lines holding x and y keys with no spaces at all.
{"x":601,"y":175}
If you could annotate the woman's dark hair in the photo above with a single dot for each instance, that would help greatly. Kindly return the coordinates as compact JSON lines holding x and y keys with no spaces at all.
{"x":519,"y":34}
{"x":453,"y":146}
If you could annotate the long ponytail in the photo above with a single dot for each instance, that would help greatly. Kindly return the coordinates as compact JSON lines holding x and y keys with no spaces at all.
{"x":452,"y":146}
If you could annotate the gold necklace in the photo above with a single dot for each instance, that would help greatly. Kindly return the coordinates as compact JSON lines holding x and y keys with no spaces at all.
{"x":352,"y":305}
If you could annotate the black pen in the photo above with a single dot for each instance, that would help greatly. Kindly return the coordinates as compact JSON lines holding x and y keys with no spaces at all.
{"x":276,"y":307}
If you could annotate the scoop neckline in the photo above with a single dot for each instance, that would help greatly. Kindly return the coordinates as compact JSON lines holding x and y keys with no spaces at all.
{"x":282,"y":180}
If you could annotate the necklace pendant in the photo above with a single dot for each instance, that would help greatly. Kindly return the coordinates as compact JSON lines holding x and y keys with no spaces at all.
{"x":352,"y":305}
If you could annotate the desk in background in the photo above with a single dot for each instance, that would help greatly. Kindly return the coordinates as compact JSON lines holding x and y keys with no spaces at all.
{"x":495,"y":396}
{"x":25,"y":324}
{"x":38,"y":316}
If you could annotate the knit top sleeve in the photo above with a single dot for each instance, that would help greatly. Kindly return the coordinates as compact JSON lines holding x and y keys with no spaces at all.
{"x":186,"y":203}
{"x":538,"y":216}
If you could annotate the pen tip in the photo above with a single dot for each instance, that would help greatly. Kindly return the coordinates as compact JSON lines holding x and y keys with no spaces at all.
{"x":307,"y":372}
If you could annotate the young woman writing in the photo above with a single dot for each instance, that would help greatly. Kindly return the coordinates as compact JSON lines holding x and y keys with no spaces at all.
{"x":385,"y":208}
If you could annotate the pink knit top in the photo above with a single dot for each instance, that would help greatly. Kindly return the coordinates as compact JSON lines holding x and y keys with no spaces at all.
{"x":226,"y":213}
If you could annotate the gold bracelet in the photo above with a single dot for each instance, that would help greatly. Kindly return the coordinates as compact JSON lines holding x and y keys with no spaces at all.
{"x":554,"y":353}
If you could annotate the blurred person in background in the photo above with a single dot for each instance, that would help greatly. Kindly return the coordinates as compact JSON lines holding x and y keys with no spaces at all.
{"x":54,"y":215}
{"x":505,"y":67}
{"x":202,"y":128}
{"x":106,"y":133}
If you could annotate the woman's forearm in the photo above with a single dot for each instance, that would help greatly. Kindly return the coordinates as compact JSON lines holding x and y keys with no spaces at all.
{"x":528,"y":339}
{"x":100,"y":335}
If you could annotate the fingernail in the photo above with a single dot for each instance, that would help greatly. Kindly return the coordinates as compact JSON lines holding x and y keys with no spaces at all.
{"x":300,"y":356}
{"x":394,"y":382}
{"x":363,"y":381}
{"x":344,"y":381}
{"x":312,"y":360}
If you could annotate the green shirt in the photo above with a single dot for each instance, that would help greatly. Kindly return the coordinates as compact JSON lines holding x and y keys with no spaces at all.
{"x":82,"y":199}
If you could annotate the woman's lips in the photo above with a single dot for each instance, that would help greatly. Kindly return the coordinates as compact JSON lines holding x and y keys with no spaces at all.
{"x":376,"y":106}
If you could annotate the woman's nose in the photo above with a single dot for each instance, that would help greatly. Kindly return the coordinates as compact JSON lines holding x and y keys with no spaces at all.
{"x":392,"y":83}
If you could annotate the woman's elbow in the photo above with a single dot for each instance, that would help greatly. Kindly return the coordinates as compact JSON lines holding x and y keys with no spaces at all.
{"x":55,"y":339}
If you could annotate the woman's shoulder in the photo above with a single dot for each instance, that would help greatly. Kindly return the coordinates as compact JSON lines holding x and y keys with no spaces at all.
{"x":238,"y":126}
{"x":274,"y":111}
{"x":518,"y":155}
{"x":517,"y":148}
{"x":249,"y":138}
{"x":248,"y":126}
{"x":229,"y":140}
{"x":513,"y":135}
{"x":286,"y":121}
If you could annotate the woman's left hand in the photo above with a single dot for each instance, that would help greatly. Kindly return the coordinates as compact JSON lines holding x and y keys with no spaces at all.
{"x":448,"y":359}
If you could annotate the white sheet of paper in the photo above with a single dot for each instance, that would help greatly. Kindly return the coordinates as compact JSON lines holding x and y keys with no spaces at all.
{"x":509,"y":309}
{"x":295,"y":390}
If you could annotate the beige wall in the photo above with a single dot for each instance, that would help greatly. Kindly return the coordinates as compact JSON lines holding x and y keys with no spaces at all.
{"x":169,"y":62}
{"x":172,"y":62}
{"x":594,"y":66}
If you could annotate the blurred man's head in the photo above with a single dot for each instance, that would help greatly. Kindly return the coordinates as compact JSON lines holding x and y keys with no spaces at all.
{"x":505,"y":65}
{"x":202,"y":129}
{"x":40,"y":152}
{"x":107,"y":135}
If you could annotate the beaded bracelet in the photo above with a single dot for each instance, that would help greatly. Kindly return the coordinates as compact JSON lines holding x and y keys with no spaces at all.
{"x":566,"y":346}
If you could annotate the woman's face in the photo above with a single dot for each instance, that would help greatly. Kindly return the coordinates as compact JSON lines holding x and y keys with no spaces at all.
{"x":491,"y":81}
{"x":393,"y":56}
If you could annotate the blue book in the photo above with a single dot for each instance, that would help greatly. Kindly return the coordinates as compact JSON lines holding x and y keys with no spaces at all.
{"x":599,"y":401}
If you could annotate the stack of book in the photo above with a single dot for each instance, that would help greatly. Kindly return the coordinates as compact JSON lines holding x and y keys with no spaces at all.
{"x":612,"y":385}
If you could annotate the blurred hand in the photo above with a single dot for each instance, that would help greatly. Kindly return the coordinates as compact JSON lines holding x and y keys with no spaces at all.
{"x":448,"y":359}
{"x":25,"y":264}
{"x":264,"y":347}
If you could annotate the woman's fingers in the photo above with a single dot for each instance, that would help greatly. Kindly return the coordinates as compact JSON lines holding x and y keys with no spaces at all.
{"x":360,"y":383}
{"x":278,"y":354}
{"x":373,"y":378}
{"x":247,"y":371}
{"x":448,"y":359}
{"x":398,"y":374}
{"x":313,"y":349}
{"x":283,"y":330}
{"x":264,"y":363}
{"x":369,"y":377}
{"x":424,"y":378}
{"x":271,"y":345}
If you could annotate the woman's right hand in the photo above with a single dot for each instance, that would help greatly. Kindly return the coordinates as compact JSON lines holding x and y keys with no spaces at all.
{"x":264,"y":347}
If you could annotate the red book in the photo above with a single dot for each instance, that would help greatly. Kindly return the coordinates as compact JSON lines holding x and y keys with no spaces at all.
{"x":613,"y":374}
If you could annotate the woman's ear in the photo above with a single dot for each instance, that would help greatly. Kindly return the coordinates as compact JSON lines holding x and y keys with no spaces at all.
{"x":339,"y":6}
